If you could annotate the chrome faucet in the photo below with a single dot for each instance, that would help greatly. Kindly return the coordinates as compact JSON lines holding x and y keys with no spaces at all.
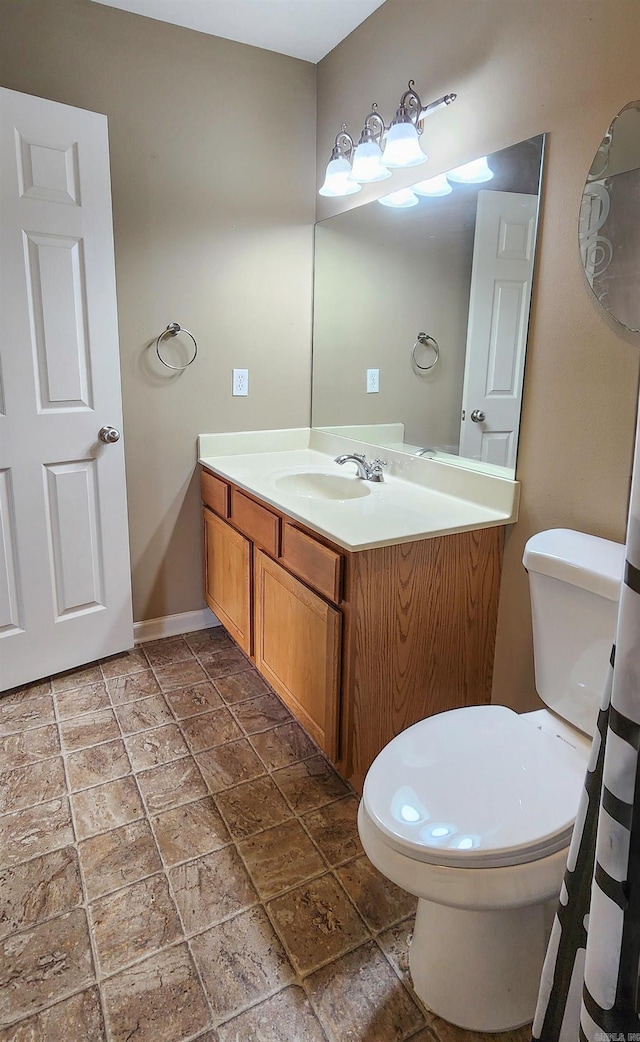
{"x":367,"y":471}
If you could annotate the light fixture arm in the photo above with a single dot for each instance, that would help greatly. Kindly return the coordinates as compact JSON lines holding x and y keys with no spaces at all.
{"x":343,"y":144}
{"x":374,"y":127}
{"x":411,"y":109}
{"x":435,"y":106}
{"x":410,"y":102}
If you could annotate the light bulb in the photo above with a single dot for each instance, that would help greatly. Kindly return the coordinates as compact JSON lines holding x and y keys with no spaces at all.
{"x":337,"y":181}
{"x":475,"y":172}
{"x":367,"y":163}
{"x":402,"y":199}
{"x":403,"y":146}
{"x":434,"y":186}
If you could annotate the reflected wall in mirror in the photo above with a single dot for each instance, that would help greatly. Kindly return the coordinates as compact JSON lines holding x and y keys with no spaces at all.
{"x":456,"y":267}
{"x":609,"y":230}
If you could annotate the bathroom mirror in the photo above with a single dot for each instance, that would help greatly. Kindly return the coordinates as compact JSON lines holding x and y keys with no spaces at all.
{"x":609,"y":229}
{"x":430,"y":304}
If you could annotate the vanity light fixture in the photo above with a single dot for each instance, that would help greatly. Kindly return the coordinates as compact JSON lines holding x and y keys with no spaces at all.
{"x":473,"y":173}
{"x":434,"y":186}
{"x":402,"y":199}
{"x":380,"y":148}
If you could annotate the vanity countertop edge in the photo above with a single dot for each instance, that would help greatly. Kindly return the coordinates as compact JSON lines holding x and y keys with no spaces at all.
{"x":419,"y":499}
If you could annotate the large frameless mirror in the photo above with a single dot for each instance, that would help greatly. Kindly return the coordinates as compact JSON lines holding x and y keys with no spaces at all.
{"x":421,"y":314}
{"x":609,"y":229}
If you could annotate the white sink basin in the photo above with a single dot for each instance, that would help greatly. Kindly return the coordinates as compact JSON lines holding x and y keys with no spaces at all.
{"x":316,"y":485}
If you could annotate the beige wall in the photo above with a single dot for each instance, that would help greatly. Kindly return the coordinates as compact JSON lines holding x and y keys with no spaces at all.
{"x":209,"y":232}
{"x":521,"y":67}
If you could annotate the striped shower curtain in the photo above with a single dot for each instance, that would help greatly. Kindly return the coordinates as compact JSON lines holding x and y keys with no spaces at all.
{"x":590,"y":980}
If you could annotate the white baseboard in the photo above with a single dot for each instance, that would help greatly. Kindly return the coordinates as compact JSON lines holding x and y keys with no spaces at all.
{"x":173,"y":625}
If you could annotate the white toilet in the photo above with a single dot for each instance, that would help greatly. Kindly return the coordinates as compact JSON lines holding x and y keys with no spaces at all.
{"x":472,"y":810}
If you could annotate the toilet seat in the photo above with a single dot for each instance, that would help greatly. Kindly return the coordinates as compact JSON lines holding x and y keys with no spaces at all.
{"x":479,"y":787}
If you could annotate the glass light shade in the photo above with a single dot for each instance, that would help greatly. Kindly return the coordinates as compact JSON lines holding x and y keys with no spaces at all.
{"x":403,"y":146}
{"x":433,"y":186}
{"x":402,"y":199}
{"x":473,"y":173}
{"x":367,"y":163}
{"x":336,"y":179}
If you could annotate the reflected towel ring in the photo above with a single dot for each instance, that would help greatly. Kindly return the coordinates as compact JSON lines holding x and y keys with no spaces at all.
{"x":424,"y":340}
{"x":172,"y":330}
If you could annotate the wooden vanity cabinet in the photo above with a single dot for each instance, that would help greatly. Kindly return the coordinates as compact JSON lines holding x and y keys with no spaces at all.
{"x":358,"y":645}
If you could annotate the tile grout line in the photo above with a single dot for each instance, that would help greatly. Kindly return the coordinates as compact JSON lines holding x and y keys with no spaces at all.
{"x":83,"y":883}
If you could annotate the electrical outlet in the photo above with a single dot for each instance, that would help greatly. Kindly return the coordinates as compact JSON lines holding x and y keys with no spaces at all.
{"x":373,"y":381}
{"x":240,"y":382}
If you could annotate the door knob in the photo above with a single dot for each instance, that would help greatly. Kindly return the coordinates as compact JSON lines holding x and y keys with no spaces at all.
{"x":478,"y":416}
{"x":109,"y":435}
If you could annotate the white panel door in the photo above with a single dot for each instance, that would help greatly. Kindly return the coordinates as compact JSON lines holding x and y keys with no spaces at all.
{"x":65,"y":585}
{"x":503,"y":253}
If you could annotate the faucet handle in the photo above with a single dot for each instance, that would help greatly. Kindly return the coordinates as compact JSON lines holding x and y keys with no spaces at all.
{"x":375,"y":469}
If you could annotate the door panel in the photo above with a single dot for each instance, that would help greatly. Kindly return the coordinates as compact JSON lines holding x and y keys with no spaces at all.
{"x":502,"y":271}
{"x":75,"y":551}
{"x":65,"y":586}
{"x":56,"y":286}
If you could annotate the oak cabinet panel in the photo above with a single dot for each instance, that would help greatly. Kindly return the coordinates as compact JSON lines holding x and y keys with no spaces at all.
{"x":227,"y":577}
{"x":297,"y":649}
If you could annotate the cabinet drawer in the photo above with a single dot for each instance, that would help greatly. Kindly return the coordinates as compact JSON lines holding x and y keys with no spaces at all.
{"x":314,"y":563}
{"x":215,"y":493}
{"x":258,"y":523}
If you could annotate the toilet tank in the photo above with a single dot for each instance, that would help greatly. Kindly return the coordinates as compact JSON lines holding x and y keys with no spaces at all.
{"x":574,"y":580}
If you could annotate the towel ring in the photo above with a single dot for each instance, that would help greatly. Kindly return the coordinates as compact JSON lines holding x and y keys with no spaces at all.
{"x":424,"y":340}
{"x":172,"y":330}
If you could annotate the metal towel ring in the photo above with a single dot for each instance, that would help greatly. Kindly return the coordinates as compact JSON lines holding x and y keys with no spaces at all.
{"x":424,"y":340}
{"x":172,"y":330}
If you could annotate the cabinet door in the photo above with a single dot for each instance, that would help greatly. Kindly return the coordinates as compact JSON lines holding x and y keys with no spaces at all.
{"x":227,"y":577}
{"x":297,"y":638}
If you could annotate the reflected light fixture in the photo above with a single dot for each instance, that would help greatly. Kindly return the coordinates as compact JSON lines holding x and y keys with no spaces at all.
{"x":381,"y":148}
{"x":402,"y":199}
{"x":434,"y":186}
{"x":473,"y":173}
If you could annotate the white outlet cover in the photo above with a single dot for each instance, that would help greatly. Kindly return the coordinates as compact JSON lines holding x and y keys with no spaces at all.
{"x":240,"y":385}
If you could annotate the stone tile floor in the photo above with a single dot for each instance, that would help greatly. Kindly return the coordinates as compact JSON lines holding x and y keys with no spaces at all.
{"x":179,"y":862}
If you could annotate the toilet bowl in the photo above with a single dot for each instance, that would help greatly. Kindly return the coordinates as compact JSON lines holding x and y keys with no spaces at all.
{"x":472,"y":810}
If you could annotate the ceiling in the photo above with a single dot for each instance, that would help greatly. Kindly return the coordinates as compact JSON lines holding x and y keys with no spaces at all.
{"x":306,"y":29}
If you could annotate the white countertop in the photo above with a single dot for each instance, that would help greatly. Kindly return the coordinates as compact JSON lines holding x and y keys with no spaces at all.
{"x":418,"y":499}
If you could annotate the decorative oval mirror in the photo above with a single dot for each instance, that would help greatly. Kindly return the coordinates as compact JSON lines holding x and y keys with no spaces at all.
{"x":609,"y":229}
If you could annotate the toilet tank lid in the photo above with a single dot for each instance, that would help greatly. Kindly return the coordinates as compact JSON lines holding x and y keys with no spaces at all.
{"x":587,"y":561}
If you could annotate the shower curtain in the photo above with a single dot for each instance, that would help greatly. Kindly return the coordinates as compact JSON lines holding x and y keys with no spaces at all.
{"x":589,"y":986}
